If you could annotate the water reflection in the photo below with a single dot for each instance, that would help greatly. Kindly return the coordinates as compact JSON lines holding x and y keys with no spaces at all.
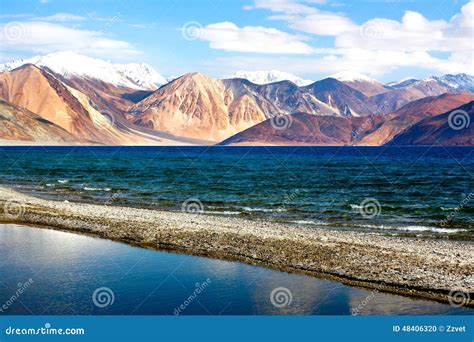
{"x":66,"y":269}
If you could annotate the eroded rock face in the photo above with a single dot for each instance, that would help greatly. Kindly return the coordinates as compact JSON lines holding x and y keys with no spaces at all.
{"x":19,"y":124}
{"x":307,"y":129}
{"x":197,"y":106}
{"x":453,"y":128}
{"x":43,"y":93}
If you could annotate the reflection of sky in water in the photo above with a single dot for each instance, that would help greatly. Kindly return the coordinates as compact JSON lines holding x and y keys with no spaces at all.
{"x":67,"y":268}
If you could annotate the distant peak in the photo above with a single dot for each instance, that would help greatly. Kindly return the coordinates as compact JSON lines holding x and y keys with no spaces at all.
{"x":270,"y":76}
{"x":72,"y":64}
{"x":351,"y":76}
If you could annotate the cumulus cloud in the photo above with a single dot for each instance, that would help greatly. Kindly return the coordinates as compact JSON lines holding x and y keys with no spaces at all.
{"x":228,"y":36}
{"x":43,"y":37}
{"x":376,"y":46}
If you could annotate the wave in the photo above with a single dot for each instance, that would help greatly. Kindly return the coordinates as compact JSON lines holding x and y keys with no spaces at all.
{"x":411,"y":228}
{"x":310,"y":222}
{"x":264,"y":210}
{"x":223,"y":212}
{"x":448,"y":209}
{"x":86,"y":188}
{"x":416,"y":229}
{"x":63,"y":181}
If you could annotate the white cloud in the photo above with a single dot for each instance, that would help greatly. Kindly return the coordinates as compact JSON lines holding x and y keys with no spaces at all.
{"x":228,"y":36}
{"x":61,"y":17}
{"x":377,"y":46}
{"x":41,"y":37}
{"x":285,"y":6}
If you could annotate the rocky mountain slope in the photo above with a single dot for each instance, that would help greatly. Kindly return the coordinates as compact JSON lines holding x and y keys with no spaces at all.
{"x":453,"y":128}
{"x":306,"y":129}
{"x":99,"y":102}
{"x":41,"y":92}
{"x":19,"y":124}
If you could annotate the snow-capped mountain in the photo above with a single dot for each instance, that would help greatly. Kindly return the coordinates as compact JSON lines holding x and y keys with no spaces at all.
{"x":363,"y":83}
{"x":351,"y":76}
{"x":141,"y":74}
{"x":69,"y":64}
{"x":455,"y":83}
{"x":402,"y":83}
{"x":460,"y":82}
{"x":272,"y":76}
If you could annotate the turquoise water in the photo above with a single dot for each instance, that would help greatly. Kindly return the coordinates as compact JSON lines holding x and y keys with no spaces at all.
{"x":424,"y":191}
{"x":59,"y":273}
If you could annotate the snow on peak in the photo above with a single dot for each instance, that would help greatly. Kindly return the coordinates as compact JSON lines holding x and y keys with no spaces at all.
{"x":271,"y":76}
{"x":69,"y":64}
{"x":141,"y":74}
{"x":403,"y":82}
{"x":351,"y":76}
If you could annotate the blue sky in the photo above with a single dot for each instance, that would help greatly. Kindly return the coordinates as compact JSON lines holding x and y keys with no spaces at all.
{"x":387,"y":39}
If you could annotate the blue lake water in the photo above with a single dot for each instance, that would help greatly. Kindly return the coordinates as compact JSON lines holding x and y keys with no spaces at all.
{"x":424,"y":191}
{"x":69,"y":274}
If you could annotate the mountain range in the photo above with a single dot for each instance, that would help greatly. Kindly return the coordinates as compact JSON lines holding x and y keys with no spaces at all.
{"x":67,"y":98}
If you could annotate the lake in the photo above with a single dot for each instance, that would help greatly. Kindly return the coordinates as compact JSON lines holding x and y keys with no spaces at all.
{"x":48,"y":272}
{"x":416,"y":191}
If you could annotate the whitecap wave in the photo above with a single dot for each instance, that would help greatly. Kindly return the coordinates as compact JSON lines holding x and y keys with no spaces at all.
{"x":264,"y":210}
{"x":86,"y":188}
{"x":223,"y":212}
{"x":416,"y":229}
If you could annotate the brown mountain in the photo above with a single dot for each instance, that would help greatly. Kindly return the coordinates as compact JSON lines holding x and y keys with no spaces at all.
{"x":283,"y":97}
{"x":200,"y":107}
{"x":305,"y":129}
{"x":19,"y":124}
{"x":348,"y":101}
{"x":42,"y":93}
{"x":409,"y":91}
{"x":197,"y":106}
{"x":368,"y":88}
{"x":453,"y":128}
{"x":392,"y":124}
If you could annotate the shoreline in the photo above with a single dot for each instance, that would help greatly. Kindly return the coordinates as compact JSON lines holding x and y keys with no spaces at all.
{"x":429,"y":269}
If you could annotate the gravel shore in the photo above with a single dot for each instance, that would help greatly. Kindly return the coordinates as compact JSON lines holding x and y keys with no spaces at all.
{"x":434,"y":269}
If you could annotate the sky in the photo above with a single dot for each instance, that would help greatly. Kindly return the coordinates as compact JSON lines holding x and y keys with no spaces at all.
{"x":385,"y":39}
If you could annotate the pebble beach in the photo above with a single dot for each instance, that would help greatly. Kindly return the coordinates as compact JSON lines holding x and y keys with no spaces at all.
{"x":427,"y":268}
